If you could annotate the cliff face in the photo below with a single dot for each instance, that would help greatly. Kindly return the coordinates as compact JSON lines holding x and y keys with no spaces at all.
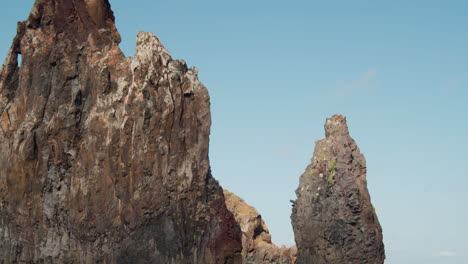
{"x":257,"y":247}
{"x":333,"y":218}
{"x":102,"y":157}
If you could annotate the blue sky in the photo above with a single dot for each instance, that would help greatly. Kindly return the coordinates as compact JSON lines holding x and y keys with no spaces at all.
{"x":276,"y":69}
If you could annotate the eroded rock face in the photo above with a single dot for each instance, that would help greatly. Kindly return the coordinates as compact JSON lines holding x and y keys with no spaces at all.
{"x":104,"y":158}
{"x":333,"y":218}
{"x":256,"y":239}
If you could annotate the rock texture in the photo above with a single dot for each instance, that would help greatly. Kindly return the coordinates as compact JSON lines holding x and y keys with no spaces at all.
{"x":257,"y":247}
{"x":333,"y":218}
{"x":104,"y":158}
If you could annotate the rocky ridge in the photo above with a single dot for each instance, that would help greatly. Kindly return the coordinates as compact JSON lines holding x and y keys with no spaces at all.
{"x":257,"y":246}
{"x":333,"y":218}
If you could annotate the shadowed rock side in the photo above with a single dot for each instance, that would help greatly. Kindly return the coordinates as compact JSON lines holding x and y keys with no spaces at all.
{"x":105,"y":158}
{"x":257,"y":247}
{"x":333,"y":218}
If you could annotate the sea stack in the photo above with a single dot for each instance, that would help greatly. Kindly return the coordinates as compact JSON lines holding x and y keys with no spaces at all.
{"x":333,"y":218}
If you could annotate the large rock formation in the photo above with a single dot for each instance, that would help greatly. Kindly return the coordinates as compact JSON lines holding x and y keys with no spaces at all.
{"x":104,"y":158}
{"x":333,"y":218}
{"x":257,"y":247}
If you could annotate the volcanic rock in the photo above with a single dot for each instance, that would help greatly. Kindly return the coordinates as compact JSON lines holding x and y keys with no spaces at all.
{"x":257,"y":247}
{"x":103,"y":158}
{"x":333,"y":218}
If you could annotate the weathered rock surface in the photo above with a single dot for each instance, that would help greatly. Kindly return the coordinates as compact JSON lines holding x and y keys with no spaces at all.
{"x":104,"y":158}
{"x":256,"y":239}
{"x":333,"y":218}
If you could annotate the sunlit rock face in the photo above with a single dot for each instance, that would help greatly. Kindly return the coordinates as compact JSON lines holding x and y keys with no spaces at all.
{"x":103,"y":158}
{"x":333,"y":218}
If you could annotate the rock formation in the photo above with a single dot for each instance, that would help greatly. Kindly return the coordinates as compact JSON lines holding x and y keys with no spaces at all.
{"x":104,"y":158}
{"x":333,"y":218}
{"x":257,"y":247}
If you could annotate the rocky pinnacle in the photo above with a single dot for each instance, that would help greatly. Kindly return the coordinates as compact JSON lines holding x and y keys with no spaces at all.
{"x":333,"y":218}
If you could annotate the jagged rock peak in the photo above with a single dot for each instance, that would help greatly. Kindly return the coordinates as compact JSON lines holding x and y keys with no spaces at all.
{"x":333,"y":218}
{"x":257,"y":247}
{"x":336,"y":126}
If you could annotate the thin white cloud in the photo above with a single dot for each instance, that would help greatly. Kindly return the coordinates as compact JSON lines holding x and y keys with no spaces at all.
{"x":445,"y":253}
{"x":366,"y":81}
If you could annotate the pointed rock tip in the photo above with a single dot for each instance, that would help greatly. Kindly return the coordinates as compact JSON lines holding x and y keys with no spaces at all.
{"x":336,"y":126}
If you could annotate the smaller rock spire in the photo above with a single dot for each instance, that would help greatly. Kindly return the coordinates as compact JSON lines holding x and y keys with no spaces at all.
{"x":336,"y":126}
{"x":333,"y":217}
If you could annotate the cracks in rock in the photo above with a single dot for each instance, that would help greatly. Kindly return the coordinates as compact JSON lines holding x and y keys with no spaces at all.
{"x":44,"y":107}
